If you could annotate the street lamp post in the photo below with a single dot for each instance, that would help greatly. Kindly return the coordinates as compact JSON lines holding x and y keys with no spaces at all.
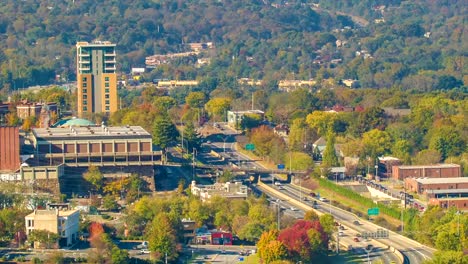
{"x":194,"y":153}
{"x":279,"y":208}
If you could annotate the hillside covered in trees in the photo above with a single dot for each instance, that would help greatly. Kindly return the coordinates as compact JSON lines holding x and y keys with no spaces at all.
{"x":415,"y":44}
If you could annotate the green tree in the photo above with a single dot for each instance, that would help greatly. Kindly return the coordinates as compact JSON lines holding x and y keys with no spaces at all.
{"x":427,"y":156}
{"x":321,"y":121}
{"x":402,"y":150}
{"x":164,"y":131}
{"x":43,"y":237}
{"x":218,"y":107}
{"x":315,"y":240}
{"x":250,"y":121}
{"x":447,"y":240}
{"x":195,"y":99}
{"x":447,"y":141}
{"x":164,"y":103}
{"x":376,"y":143}
{"x":299,"y":134}
{"x":162,"y":238}
{"x":192,"y":137}
{"x":329,"y":154}
{"x":311,"y":215}
{"x":109,"y":203}
{"x":328,"y":223}
{"x":298,"y":161}
{"x":452,"y":257}
{"x":94,"y":177}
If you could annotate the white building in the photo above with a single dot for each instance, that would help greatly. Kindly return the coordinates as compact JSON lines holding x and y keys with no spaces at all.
{"x":228,"y":190}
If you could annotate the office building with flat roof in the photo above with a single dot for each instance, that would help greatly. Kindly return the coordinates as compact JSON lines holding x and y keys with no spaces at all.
{"x":95,"y":145}
{"x":96,"y":77}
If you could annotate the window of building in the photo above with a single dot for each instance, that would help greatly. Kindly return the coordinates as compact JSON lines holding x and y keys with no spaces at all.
{"x":107,"y":96}
{"x":30,"y":223}
{"x":85,"y":79}
{"x":85,"y":85}
{"x":85,"y":108}
{"x":107,"y":102}
{"x":106,"y":79}
{"x":85,"y":96}
{"x":107,"y":108}
{"x":107,"y":90}
{"x":85,"y":102}
{"x":106,"y":84}
{"x":85,"y":90}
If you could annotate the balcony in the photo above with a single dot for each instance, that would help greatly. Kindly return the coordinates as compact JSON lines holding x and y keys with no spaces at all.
{"x":84,"y":62}
{"x":84,"y":55}
{"x":110,"y":54}
{"x":84,"y":69}
{"x":110,"y":61}
{"x":110,"y":68}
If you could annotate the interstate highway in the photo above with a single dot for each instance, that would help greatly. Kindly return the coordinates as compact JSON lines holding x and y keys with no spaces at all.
{"x":413,"y":251}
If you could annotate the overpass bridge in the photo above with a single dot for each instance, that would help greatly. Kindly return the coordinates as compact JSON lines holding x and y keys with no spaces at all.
{"x":237,"y":168}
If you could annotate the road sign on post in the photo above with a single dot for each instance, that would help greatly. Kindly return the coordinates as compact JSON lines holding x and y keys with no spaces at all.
{"x":281,"y":166}
{"x":250,"y":146}
{"x":373,"y":211}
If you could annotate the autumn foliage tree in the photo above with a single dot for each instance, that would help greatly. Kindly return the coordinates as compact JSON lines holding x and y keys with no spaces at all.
{"x":269,"y":248}
{"x":304,"y":240}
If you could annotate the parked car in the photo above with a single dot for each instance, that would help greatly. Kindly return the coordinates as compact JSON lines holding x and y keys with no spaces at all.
{"x":356,"y":239}
{"x":356,"y":223}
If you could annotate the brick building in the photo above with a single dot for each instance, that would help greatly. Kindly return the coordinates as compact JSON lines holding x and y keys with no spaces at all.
{"x":426,"y":185}
{"x":461,"y":203}
{"x":27,"y":109}
{"x":9,"y":149}
{"x":426,"y":171}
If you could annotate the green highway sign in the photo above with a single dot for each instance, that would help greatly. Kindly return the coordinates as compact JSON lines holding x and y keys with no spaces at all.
{"x":373,"y":211}
{"x":250,"y":146}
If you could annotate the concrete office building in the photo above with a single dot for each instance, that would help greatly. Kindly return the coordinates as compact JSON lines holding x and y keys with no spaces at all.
{"x":96,"y":77}
{"x":95,"y":145}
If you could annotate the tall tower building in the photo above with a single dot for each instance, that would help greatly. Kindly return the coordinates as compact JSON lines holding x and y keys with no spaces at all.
{"x":97,"y":77}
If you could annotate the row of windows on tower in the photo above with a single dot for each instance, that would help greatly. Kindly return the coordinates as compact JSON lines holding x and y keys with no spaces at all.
{"x":85,"y":79}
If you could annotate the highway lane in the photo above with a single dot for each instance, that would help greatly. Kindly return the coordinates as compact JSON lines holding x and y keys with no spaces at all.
{"x":379,"y":251}
{"x":414,"y":251}
{"x":229,"y":153}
